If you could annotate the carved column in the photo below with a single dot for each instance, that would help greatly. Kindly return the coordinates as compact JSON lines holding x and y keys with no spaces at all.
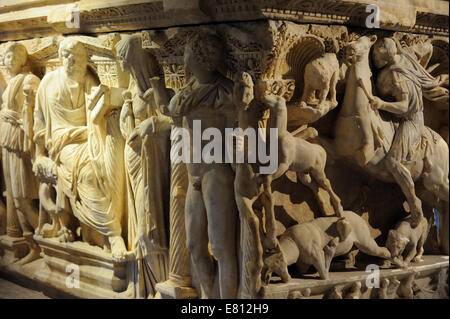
{"x":179,"y":284}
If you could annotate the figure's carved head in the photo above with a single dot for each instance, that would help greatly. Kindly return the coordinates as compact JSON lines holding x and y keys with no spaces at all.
{"x":243,"y":89}
{"x":203,"y":52}
{"x":15,"y":58}
{"x":73,"y":57}
{"x":358,"y":49}
{"x":384,"y":52}
{"x":127,"y":49}
{"x":396,"y":243}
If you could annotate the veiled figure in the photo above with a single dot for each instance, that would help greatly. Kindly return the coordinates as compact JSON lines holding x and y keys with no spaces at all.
{"x":16,"y":140}
{"x":146,"y":132}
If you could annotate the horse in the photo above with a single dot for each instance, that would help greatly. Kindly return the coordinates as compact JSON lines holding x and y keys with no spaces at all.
{"x":364,"y":136}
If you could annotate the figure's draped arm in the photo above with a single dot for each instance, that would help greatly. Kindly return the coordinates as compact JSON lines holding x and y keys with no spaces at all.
{"x":401,"y":93}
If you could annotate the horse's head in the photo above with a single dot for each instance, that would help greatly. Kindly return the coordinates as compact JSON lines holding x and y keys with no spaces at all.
{"x":359,"y":49}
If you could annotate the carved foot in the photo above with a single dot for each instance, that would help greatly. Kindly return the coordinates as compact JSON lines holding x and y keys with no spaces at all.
{"x":47,"y":231}
{"x":418,"y":259}
{"x":65,"y":235}
{"x":118,"y":248}
{"x":32,"y":256}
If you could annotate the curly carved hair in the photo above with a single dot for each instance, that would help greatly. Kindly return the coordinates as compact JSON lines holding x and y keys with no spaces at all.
{"x":206,"y":48}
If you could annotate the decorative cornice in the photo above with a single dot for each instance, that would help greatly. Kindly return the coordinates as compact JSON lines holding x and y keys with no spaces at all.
{"x":30,"y":20}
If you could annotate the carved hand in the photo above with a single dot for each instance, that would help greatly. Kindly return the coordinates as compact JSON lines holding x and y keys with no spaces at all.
{"x":376,"y":103}
{"x":45,"y":168}
{"x":149,"y":127}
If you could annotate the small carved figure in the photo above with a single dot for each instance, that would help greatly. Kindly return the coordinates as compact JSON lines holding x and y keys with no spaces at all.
{"x":406,"y":243}
{"x":318,"y":241}
{"x":320,"y":78}
{"x":16,"y":141}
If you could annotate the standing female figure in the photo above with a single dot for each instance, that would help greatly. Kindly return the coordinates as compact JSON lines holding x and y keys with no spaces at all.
{"x":146,"y":132}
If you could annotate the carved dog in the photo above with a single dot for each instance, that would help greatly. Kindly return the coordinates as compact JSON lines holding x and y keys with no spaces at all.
{"x":406,"y":243}
{"x":318,"y":241}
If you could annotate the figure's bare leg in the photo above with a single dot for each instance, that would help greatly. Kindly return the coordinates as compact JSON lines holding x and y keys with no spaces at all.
{"x":271,"y":242}
{"x":250,"y":245}
{"x":24,"y":206}
{"x":403,"y":178}
{"x":322,"y":181}
{"x":197,"y":239}
{"x":222,"y":217}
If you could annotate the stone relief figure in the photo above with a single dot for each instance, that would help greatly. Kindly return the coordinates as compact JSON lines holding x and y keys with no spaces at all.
{"x":406,"y":243}
{"x":16,"y":140}
{"x":393,"y":144}
{"x":317,"y":242}
{"x":321,"y":77}
{"x":306,"y":159}
{"x":210,"y":208}
{"x":78,"y":140}
{"x":146,"y":132}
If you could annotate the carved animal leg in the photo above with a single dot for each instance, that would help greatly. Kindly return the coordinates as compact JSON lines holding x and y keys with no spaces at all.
{"x":322,"y":181}
{"x":371,"y":248}
{"x":403,"y":178}
{"x":302,"y":267}
{"x":251,"y":246}
{"x":47,"y":207}
{"x":334,"y":80}
{"x":411,"y":254}
{"x":329,"y":251}
{"x":443,"y":228}
{"x":420,"y":243}
{"x":309,"y":94}
{"x":319,"y":262}
{"x":323,"y":94}
{"x":197,"y":240}
{"x":306,"y":180}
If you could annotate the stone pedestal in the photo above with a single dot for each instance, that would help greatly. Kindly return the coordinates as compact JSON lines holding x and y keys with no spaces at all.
{"x":422,"y":280}
{"x":99,"y":275}
{"x":173,"y":290}
{"x":12,"y":248}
